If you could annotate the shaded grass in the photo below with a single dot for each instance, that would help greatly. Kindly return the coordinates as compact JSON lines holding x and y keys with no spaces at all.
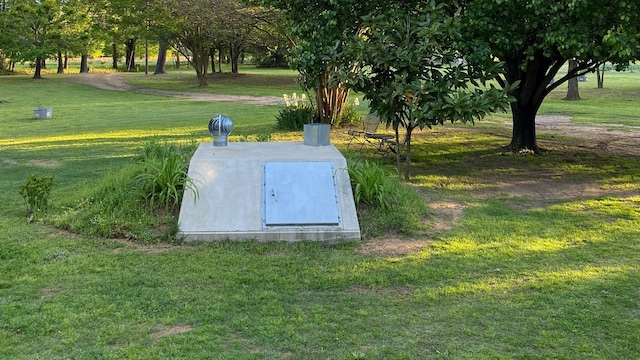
{"x":556,"y":279}
{"x":250,"y":81}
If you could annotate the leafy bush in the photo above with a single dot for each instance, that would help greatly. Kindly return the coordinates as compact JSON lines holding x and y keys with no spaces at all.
{"x":385,"y":205}
{"x":350,"y":114}
{"x":296,"y":113}
{"x":372,"y":185}
{"x":35,"y":192}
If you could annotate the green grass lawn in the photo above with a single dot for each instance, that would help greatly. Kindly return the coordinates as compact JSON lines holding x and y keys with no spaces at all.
{"x":549,"y":271}
{"x":617,"y":102}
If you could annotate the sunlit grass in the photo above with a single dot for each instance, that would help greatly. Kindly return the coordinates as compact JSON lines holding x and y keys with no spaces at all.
{"x":614,"y":208}
{"x":511,"y":275}
{"x":613,"y":104}
{"x":455,"y":183}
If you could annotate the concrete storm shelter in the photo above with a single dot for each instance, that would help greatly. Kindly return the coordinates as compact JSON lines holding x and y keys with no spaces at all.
{"x":268,"y":191}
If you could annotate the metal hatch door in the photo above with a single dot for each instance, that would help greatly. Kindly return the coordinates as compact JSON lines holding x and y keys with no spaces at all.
{"x":299,"y":194}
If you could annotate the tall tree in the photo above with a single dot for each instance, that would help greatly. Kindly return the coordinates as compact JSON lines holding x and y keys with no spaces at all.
{"x":317,"y":27}
{"x":573,"y":91}
{"x":536,"y":38}
{"x":34,"y":26}
{"x":600,"y":76}
{"x":161,"y":62}
{"x":194,"y":29}
{"x":411,"y":74}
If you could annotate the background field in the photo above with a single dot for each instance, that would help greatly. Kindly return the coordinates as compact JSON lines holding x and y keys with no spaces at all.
{"x":516,"y":256}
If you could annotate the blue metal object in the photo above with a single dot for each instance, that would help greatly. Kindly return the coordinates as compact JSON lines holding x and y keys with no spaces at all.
{"x":300,"y":194}
{"x":220,"y":127}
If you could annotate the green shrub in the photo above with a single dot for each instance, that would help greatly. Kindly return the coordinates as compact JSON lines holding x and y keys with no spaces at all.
{"x":164,"y":180}
{"x":372,"y":185}
{"x":35,"y":192}
{"x":296,"y":113}
{"x":350,"y":115}
{"x":113,"y":208}
{"x":294,"y":118}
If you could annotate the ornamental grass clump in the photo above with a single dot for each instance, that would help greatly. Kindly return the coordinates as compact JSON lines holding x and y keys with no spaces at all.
{"x":164,"y":180}
{"x":372,"y":185}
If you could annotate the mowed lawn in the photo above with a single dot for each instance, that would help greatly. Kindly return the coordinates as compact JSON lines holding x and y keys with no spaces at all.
{"x":518,"y":256}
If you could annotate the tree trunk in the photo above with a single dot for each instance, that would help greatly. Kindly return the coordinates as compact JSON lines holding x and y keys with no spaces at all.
{"x":524,"y":129}
{"x":84,"y":64}
{"x":130,"y":54}
{"x":161,"y":62}
{"x":535,"y":84}
{"x":200,"y":62}
{"x":235,"y":50}
{"x":114,"y":56}
{"x":407,"y":160}
{"x":212,"y":58}
{"x":572,"y":90}
{"x":38,"y":72}
{"x":329,"y":101}
{"x":177,"y":60}
{"x":600,"y":76}
{"x":60,"y":63}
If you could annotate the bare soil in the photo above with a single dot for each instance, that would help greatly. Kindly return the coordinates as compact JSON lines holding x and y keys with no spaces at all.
{"x":173,"y":330}
{"x":540,"y":188}
{"x":115,"y":82}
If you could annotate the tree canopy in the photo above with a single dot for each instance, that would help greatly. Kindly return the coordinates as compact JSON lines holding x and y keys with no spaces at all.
{"x":316,"y":29}
{"x":536,"y":38}
{"x":407,"y":67}
{"x":32,"y":29}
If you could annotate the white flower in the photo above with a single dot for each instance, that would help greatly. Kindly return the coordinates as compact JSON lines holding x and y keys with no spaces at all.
{"x":356,"y":102}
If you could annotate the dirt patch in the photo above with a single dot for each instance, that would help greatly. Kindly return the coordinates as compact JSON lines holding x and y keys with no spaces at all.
{"x":395,"y":290}
{"x":51,"y":292}
{"x":111,"y":82}
{"x":526,"y":193}
{"x":48,"y":164}
{"x":115,"y":82}
{"x":173,"y":330}
{"x":391,"y":247}
{"x":611,"y":138}
{"x":145,"y":248}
